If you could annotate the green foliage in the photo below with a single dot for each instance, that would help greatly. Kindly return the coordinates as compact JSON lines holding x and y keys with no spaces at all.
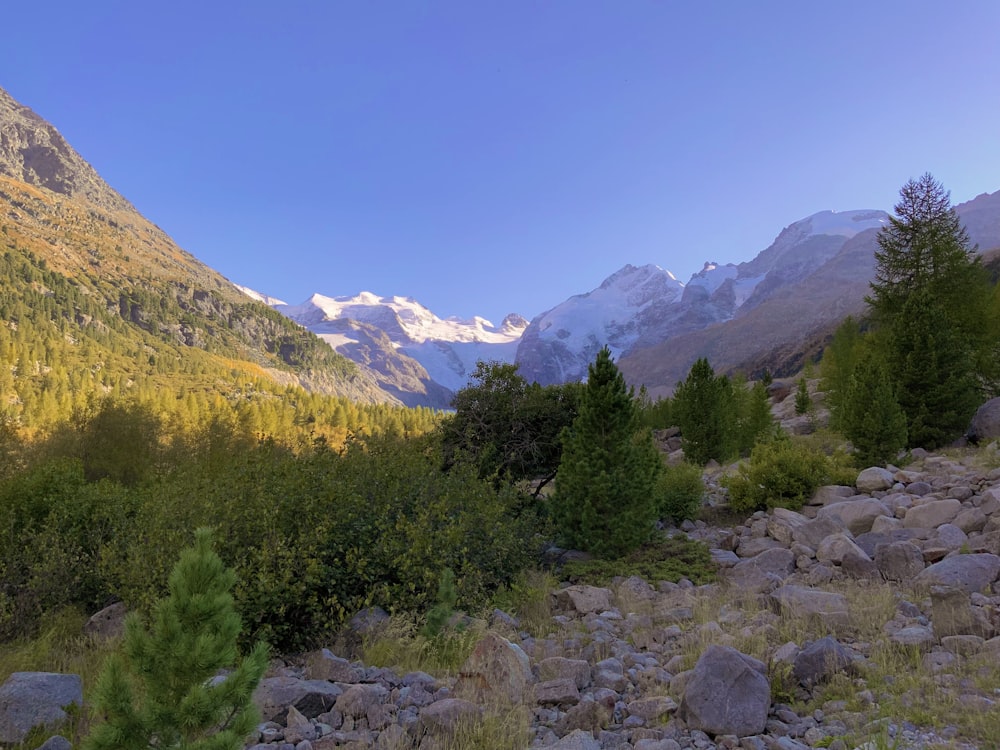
{"x":679,"y":491}
{"x":933,"y":373}
{"x":930,"y":298}
{"x":837,"y":366}
{"x":444,"y":608}
{"x":703,"y":408}
{"x":780,"y":473}
{"x":510,"y":430}
{"x":604,"y":500}
{"x":873,"y":419}
{"x":160,"y":691}
{"x":655,"y":415}
{"x":803,"y":402}
{"x":754,"y":421}
{"x":669,"y":559}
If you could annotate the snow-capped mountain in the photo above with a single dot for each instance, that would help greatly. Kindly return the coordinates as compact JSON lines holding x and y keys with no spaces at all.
{"x":559,"y":344}
{"x":640,"y":307}
{"x":412,"y":350}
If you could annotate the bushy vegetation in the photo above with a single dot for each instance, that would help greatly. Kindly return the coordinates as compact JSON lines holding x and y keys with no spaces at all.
{"x":780,"y":473}
{"x":679,"y":491}
{"x":314,"y":534}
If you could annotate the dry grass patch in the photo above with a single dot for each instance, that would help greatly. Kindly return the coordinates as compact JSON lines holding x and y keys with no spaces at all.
{"x":401,"y":646}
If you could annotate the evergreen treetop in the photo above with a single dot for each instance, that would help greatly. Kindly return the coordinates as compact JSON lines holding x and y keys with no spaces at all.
{"x":165,"y":690}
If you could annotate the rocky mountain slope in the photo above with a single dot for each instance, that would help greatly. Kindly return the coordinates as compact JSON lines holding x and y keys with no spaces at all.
{"x":640,"y":308}
{"x":773,"y":330}
{"x":58,"y":217}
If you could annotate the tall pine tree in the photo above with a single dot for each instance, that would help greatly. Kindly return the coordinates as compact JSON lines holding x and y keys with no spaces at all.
{"x":704,"y":410}
{"x":930,"y":297}
{"x":604,"y":501}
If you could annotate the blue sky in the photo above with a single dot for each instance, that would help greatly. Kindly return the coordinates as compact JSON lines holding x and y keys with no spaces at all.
{"x":494,"y":157}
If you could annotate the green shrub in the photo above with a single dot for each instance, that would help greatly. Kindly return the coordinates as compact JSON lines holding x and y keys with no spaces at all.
{"x":679,"y":491}
{"x":780,"y":473}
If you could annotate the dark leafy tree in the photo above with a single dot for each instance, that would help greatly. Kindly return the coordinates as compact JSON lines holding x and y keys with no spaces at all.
{"x":508,"y":428}
{"x":703,"y":409}
{"x":605,"y":496}
{"x":872,"y":417}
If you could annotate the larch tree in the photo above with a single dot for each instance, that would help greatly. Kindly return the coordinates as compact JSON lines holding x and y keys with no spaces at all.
{"x":929,"y":299}
{"x":605,"y":491}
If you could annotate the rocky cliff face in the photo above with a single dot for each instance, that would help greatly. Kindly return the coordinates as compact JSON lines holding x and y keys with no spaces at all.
{"x":32,"y":151}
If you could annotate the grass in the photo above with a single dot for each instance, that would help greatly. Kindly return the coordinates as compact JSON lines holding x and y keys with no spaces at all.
{"x":666,"y":559}
{"x":61,"y":646}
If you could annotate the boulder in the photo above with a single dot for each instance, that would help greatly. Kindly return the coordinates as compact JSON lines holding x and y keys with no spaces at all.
{"x":442,"y":718}
{"x":816,"y":530}
{"x":874,"y":479}
{"x":108,"y":623}
{"x":971,"y":573}
{"x":782,"y":523}
{"x":727,"y":693}
{"x":857,"y":515}
{"x":36,"y":699}
{"x":324,"y":665}
{"x":497,"y":671}
{"x":582,"y":600}
{"x":932,"y":514}
{"x":985,"y":424}
{"x":952,"y":613}
{"x":899,"y":561}
{"x":831,"y":493}
{"x":914,"y":636}
{"x":835,"y":547}
{"x":274,"y":695}
{"x":820,"y":660}
{"x":827,"y":606}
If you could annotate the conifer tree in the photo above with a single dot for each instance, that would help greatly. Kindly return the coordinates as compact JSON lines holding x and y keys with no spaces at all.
{"x":703,"y":409}
{"x":803,"y":403}
{"x":604,"y":501}
{"x":872,"y":417}
{"x":837,"y":366}
{"x":163,"y":691}
{"x":930,"y":297}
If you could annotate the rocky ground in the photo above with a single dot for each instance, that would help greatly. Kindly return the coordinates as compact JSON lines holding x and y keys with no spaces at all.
{"x":868,"y":620}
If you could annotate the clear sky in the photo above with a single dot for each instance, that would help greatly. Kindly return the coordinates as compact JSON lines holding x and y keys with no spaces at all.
{"x":487,"y":156}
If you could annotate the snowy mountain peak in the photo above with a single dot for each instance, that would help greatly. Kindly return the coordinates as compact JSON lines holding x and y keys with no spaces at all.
{"x":843,"y":223}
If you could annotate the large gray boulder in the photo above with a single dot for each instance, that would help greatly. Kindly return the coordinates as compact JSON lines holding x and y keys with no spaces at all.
{"x":857,"y":515}
{"x":973,"y":573}
{"x":985,"y":423}
{"x":820,"y":660}
{"x":899,"y":561}
{"x":874,"y":479}
{"x":826,"y":606}
{"x":36,"y":699}
{"x":932,"y":514}
{"x":727,"y":693}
